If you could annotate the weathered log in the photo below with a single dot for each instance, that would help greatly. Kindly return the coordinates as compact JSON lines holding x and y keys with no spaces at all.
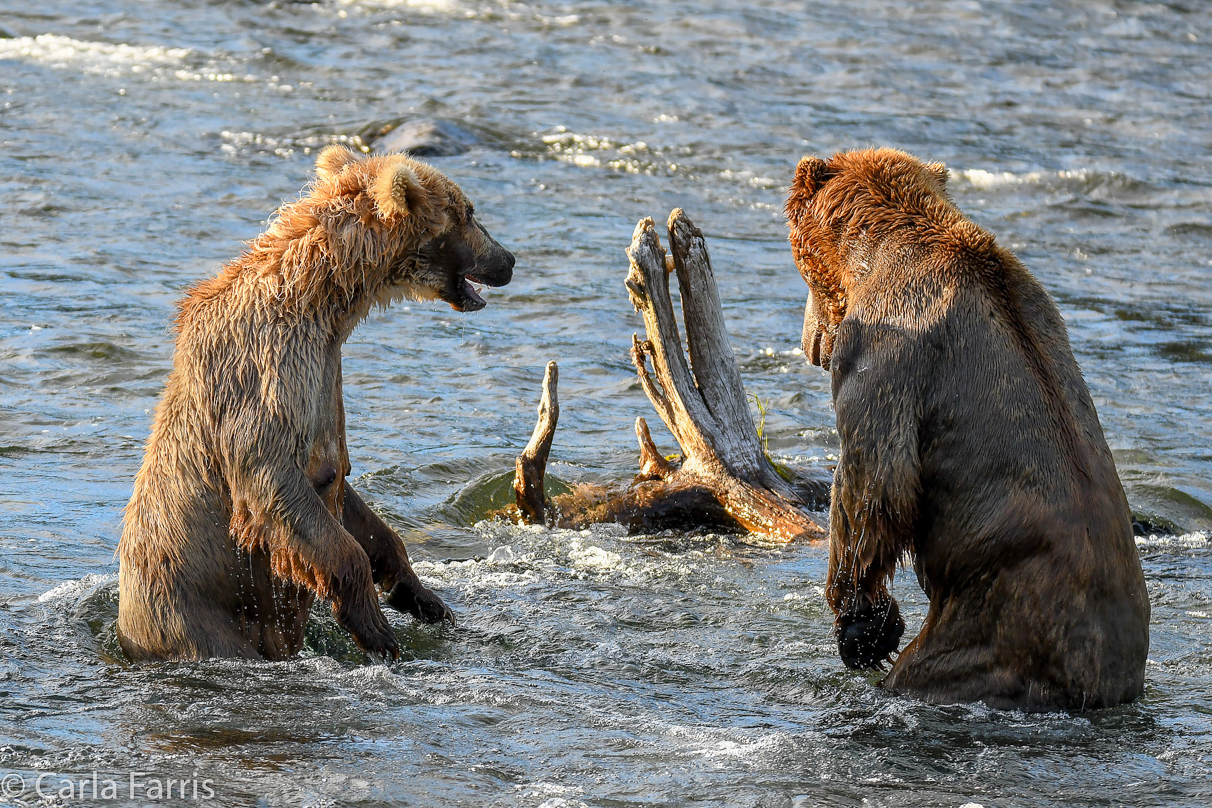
{"x":724,"y":479}
{"x":531,"y":466}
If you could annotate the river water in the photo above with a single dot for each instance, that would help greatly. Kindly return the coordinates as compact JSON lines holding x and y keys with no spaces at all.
{"x":141,"y":142}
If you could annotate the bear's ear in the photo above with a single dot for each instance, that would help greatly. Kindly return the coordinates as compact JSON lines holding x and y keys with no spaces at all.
{"x":939,"y":172}
{"x":810,"y":175}
{"x":398,"y":191}
{"x":334,"y":158}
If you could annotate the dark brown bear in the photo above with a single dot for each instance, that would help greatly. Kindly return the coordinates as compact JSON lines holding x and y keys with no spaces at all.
{"x":241,"y":515}
{"x":969,"y":444}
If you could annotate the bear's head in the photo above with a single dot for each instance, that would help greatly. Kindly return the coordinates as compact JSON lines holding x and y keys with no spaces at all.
{"x":841,"y":211}
{"x":406,"y":228}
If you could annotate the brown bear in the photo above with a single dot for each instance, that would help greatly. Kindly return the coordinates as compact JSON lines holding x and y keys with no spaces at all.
{"x":241,"y":514}
{"x":969,"y":444}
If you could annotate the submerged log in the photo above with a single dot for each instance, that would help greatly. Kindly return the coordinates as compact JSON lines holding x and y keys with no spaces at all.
{"x":723,"y":479}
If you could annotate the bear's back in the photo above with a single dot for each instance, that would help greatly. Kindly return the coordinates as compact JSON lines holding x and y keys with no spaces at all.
{"x":1020,"y":496}
{"x":1008,"y":423}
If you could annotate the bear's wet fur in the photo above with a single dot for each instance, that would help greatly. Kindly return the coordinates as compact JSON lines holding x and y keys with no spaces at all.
{"x":969,"y":445}
{"x":241,"y":514}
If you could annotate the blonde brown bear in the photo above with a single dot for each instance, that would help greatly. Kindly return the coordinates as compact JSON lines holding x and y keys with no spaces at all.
{"x":241,"y":514}
{"x":969,"y":444}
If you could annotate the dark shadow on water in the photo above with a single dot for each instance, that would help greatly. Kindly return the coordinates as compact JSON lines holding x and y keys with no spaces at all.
{"x":488,"y":494}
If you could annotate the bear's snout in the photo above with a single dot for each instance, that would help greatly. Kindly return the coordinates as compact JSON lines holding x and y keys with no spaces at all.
{"x":494,"y":264}
{"x":496,"y":272}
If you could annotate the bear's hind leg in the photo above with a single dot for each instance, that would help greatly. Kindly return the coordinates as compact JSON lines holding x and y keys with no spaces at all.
{"x":226,"y":643}
{"x":209,"y":635}
{"x":942,"y":670}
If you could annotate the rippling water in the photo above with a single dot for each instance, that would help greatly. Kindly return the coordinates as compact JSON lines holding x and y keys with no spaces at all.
{"x":141,"y":142}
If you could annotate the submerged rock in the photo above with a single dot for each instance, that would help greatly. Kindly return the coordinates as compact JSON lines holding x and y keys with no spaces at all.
{"x":430,"y":137}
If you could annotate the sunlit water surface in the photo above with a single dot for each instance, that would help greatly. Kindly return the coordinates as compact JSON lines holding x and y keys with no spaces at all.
{"x":142,"y":142}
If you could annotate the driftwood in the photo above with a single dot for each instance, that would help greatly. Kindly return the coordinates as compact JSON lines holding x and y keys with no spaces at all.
{"x":723,"y":479}
{"x":531,"y":465}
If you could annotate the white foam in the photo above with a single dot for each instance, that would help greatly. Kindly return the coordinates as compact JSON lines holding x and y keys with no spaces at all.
{"x":481,"y":574}
{"x":557,"y":796}
{"x":985,"y":180}
{"x":523,"y":556}
{"x":589,"y":557}
{"x":103,"y":58}
{"x":501,"y":555}
{"x":213,"y":75}
{"x":240,"y":142}
{"x":591,"y":151}
{"x":723,"y":745}
{"x":561,"y":20}
{"x":74,"y":589}
{"x":1198,"y":539}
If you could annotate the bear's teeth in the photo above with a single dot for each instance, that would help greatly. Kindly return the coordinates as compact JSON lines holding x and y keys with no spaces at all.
{"x":472,"y":291}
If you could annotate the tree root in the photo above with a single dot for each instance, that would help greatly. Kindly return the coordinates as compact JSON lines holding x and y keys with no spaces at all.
{"x":724,"y":480}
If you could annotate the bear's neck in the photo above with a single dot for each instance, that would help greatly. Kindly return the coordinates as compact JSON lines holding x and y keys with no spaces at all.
{"x":277,"y":291}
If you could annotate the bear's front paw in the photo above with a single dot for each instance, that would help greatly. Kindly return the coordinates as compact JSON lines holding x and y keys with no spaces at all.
{"x":411,"y":596}
{"x":867,"y":636}
{"x":370,"y":630}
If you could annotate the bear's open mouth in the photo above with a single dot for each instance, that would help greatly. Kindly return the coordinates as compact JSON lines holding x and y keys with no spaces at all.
{"x":467,"y":296}
{"x":471,"y":295}
{"x":462,"y":292}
